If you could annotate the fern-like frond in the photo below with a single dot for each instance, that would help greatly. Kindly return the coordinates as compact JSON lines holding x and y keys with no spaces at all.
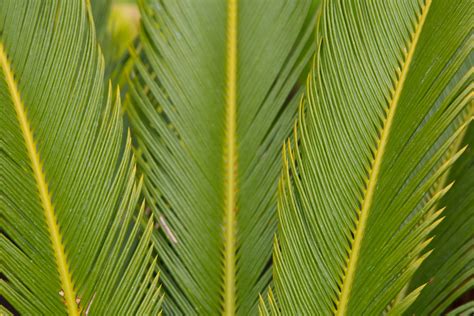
{"x":449,"y":271}
{"x":380,"y":113}
{"x":69,"y":241}
{"x":212,"y":97}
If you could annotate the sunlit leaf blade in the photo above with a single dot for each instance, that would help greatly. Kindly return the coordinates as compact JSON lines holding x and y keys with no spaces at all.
{"x":211,"y":158}
{"x":384,"y":104}
{"x":70,"y":238}
{"x":449,"y":270}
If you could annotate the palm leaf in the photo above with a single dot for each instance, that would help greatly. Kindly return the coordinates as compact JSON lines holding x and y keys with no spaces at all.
{"x":69,"y":240}
{"x":449,"y":270}
{"x":212,"y":97}
{"x":384,"y":104}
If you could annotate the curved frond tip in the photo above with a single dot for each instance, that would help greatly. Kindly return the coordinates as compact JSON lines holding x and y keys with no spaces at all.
{"x":448,"y":272}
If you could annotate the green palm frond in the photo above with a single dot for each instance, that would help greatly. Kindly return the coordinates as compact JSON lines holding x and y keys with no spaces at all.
{"x":211,"y":99}
{"x":71,"y":239}
{"x":449,"y":270}
{"x":384,"y":104}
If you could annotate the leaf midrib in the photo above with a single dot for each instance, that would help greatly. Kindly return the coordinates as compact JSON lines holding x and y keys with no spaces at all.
{"x":230,"y":161}
{"x":42,"y":186}
{"x":351,"y":268}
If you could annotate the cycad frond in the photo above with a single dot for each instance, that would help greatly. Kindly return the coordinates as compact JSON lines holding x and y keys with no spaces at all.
{"x":449,"y":270}
{"x":212,"y":98}
{"x":68,"y":192}
{"x":380,"y":113}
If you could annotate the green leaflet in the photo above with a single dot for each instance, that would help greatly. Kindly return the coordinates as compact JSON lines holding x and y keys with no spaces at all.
{"x":209,"y":129}
{"x":68,"y":191}
{"x":379,"y":115}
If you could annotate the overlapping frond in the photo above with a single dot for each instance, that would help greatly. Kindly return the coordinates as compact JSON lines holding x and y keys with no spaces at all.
{"x":380,"y":113}
{"x":71,"y":238}
{"x":449,"y":271}
{"x":212,"y":98}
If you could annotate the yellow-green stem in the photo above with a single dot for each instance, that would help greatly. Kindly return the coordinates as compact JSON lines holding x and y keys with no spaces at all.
{"x":230,"y":161}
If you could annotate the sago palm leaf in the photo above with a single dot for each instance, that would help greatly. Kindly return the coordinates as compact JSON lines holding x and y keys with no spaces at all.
{"x":384,"y":103}
{"x":69,"y":240}
{"x":212,"y":98}
{"x":449,"y":271}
